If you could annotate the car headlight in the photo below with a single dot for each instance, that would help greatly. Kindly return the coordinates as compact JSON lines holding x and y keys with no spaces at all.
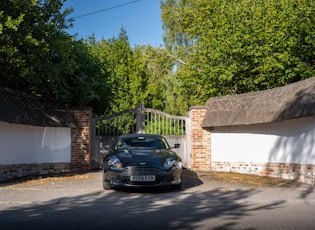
{"x":169,"y":163}
{"x":114,"y":163}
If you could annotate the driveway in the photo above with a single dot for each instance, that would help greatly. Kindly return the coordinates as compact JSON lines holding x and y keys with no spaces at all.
{"x":81,"y":203}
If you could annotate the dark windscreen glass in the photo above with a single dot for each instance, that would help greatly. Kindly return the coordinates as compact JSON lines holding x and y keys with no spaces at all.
{"x":141,"y":142}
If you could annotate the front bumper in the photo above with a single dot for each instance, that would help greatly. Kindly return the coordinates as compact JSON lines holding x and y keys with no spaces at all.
{"x":164,"y":178}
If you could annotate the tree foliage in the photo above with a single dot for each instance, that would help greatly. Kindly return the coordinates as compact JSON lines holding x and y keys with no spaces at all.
{"x":38,"y":56}
{"x":236,"y":47}
{"x":212,"y":48}
{"x":32,"y":43}
{"x":136,"y":75}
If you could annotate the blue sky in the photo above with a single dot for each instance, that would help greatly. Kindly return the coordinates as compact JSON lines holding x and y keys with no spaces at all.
{"x":141,"y":19}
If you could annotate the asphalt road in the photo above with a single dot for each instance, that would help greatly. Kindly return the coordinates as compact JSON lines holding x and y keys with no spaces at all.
{"x":81,"y":203}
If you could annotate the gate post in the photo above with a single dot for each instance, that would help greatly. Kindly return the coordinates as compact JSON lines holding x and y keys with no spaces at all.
{"x":140,"y":118}
{"x":200,"y":140}
{"x":95,"y":163}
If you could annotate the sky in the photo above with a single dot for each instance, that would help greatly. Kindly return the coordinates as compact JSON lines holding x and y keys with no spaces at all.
{"x":140,"y":18}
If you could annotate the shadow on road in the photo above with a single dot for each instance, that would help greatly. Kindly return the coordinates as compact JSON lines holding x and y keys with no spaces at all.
{"x":116,"y":211}
{"x":180,"y":209}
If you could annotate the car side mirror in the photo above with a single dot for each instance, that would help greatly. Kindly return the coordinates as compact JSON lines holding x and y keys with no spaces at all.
{"x":176,"y":146}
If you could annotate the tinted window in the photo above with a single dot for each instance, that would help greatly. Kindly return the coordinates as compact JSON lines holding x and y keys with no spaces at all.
{"x":141,"y":142}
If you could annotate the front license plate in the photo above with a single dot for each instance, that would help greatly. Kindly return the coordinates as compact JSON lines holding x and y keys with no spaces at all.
{"x":143,"y":178}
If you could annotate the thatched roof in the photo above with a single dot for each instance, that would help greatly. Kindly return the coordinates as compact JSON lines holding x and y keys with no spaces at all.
{"x":21,"y":108}
{"x":279,"y":104}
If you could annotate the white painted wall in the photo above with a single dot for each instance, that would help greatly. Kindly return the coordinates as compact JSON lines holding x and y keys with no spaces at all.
{"x":23,"y":144}
{"x":290,"y":141}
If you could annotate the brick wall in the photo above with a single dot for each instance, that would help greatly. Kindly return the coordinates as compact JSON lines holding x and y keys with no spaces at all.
{"x":8,"y":172}
{"x":299,"y":172}
{"x":200,"y":140}
{"x":81,"y":147}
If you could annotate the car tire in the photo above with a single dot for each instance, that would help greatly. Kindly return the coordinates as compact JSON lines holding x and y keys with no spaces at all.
{"x":177,"y":187}
{"x":106,"y":186}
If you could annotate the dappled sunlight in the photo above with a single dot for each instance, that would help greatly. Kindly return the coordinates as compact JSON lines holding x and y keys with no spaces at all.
{"x":188,"y":208}
{"x":155,"y":209}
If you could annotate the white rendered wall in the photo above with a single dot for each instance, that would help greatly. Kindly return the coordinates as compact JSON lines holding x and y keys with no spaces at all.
{"x":23,"y":144}
{"x":290,"y":141}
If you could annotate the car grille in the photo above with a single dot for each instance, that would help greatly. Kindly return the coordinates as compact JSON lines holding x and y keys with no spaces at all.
{"x":142,"y":171}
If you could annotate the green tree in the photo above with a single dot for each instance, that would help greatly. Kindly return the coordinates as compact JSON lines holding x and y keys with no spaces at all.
{"x":146,"y":69}
{"x":87,"y":83}
{"x":131,"y":77}
{"x":32,"y":43}
{"x":142,"y":74}
{"x":162,"y":91}
{"x":241,"y":46}
{"x":38,"y":56}
{"x":117,"y":57}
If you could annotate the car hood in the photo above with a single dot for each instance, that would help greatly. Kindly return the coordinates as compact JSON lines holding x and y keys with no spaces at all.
{"x":144,"y":157}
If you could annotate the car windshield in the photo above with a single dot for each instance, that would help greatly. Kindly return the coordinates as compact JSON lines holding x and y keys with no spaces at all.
{"x":141,"y":142}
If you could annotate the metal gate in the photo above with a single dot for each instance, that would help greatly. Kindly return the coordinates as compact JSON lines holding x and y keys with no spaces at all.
{"x":140,"y":120}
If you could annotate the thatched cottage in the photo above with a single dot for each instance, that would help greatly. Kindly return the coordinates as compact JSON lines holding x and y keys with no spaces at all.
{"x":271,"y":132}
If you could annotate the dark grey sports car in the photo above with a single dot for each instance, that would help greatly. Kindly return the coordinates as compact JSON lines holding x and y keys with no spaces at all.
{"x":142,"y":160}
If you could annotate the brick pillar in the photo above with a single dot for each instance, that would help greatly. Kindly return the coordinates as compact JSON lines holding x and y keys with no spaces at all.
{"x":81,"y":147}
{"x":200,"y":140}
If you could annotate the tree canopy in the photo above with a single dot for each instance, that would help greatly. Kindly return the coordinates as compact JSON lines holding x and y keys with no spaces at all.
{"x":212,"y":48}
{"x":37,"y":55}
{"x":136,"y":75}
{"x":32,"y":43}
{"x":232,"y":47}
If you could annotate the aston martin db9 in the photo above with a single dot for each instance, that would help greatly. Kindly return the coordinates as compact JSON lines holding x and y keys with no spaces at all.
{"x":142,"y":160}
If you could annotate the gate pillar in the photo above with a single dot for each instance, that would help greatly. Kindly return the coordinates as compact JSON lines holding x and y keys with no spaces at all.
{"x":140,"y":118}
{"x":200,"y":140}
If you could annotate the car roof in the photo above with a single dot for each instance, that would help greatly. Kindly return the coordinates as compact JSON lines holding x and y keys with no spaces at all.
{"x":140,"y":135}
